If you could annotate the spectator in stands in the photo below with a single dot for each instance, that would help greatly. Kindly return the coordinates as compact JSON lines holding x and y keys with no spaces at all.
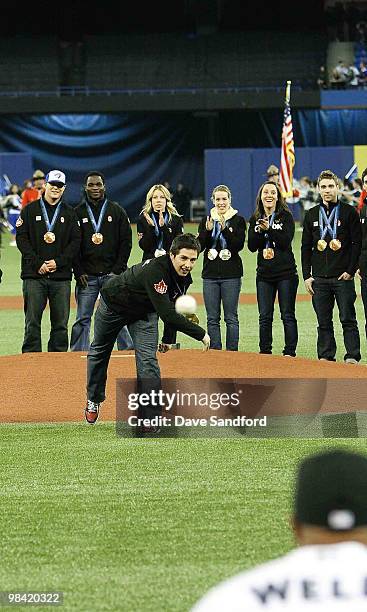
{"x":167,"y":185}
{"x":340,"y":75}
{"x":307,"y":198}
{"x":105,"y":249}
{"x":322,"y":78}
{"x":158,"y":224}
{"x":362,"y":77}
{"x":182,"y":199}
{"x":271,"y":232}
{"x":36,"y":190}
{"x":222,"y":237}
{"x":352,"y":191}
{"x":361,"y":28}
{"x":48,"y":237}
{"x":272,"y":174}
{"x":12,"y":204}
{"x":353,"y":76}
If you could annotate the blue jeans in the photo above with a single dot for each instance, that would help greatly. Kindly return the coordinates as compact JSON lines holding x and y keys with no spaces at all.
{"x":36,"y":292}
{"x":86,"y":298}
{"x":107,"y":325}
{"x":327,"y":291}
{"x":216,"y":291}
{"x":266,"y":293}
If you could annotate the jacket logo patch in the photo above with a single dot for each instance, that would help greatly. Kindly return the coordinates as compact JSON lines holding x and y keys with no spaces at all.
{"x":85,"y":220}
{"x":161,"y":287}
{"x":277,"y":226}
{"x":62,"y":219}
{"x":109,"y":218}
{"x":38,"y":218}
{"x":315,"y":223}
{"x":19,"y":222}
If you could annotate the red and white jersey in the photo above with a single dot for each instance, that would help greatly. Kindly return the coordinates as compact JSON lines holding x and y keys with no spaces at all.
{"x":319,"y":578}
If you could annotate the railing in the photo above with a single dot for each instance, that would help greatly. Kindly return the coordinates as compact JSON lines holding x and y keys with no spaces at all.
{"x":88,"y":91}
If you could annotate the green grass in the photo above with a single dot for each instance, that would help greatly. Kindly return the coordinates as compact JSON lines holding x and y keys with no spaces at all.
{"x":139,"y":525}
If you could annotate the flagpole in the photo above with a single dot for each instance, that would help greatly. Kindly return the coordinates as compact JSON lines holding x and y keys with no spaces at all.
{"x":287,"y":158}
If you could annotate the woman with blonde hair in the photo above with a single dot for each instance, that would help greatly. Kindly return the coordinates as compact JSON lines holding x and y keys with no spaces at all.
{"x":159,"y":223}
{"x":271,"y":231}
{"x":222,"y":236}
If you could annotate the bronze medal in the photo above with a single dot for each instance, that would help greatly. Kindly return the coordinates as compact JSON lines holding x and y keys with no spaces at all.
{"x":97,"y":238}
{"x":49,"y":237}
{"x":268,"y":253}
{"x":321,"y":245}
{"x":335,"y":244}
{"x":225,"y":254}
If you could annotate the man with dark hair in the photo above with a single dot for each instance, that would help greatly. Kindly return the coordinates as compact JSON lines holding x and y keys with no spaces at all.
{"x":105,"y":250}
{"x":331,"y":246}
{"x":329,"y":569}
{"x":137,"y":298}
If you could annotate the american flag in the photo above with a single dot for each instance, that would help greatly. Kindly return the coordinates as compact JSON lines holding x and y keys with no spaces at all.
{"x":287,"y":159}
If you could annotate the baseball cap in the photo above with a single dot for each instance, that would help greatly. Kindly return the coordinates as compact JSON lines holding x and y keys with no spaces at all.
{"x":56,"y":176}
{"x":331,"y":490}
{"x":38,"y":174}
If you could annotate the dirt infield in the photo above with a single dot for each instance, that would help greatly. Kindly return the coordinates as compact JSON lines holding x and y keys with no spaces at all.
{"x":16,"y":301}
{"x":50,"y":387}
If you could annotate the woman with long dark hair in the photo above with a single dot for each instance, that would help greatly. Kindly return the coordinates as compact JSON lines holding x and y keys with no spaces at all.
{"x":271,"y":232}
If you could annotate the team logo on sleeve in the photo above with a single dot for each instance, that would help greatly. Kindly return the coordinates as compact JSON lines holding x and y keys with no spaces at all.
{"x":161,"y":287}
{"x":19,"y":222}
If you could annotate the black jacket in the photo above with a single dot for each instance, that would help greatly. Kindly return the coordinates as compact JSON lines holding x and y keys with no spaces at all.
{"x":151,"y":286}
{"x":31,"y":229}
{"x":234,"y":233}
{"x":113,"y":253}
{"x":329,"y":263}
{"x":283,"y":265}
{"x":363,"y":256}
{"x":148,"y":241}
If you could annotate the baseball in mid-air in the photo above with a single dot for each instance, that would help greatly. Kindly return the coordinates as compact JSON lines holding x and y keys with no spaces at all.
{"x":186,"y":304}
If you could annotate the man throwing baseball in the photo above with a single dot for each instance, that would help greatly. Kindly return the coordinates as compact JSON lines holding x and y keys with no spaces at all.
{"x":137,"y":298}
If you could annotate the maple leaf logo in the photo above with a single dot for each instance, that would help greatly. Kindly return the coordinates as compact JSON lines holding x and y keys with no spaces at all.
{"x":161,"y":287}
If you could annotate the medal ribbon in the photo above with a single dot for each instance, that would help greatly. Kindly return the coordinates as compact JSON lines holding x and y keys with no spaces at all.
{"x":325,"y":222}
{"x":158,"y":230}
{"x":217,"y":233}
{"x":269,"y":244}
{"x":50,"y":226}
{"x":97,"y":225}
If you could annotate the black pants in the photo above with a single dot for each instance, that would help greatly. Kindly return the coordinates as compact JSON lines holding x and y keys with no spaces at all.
{"x":327,"y":292}
{"x":36,"y":292}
